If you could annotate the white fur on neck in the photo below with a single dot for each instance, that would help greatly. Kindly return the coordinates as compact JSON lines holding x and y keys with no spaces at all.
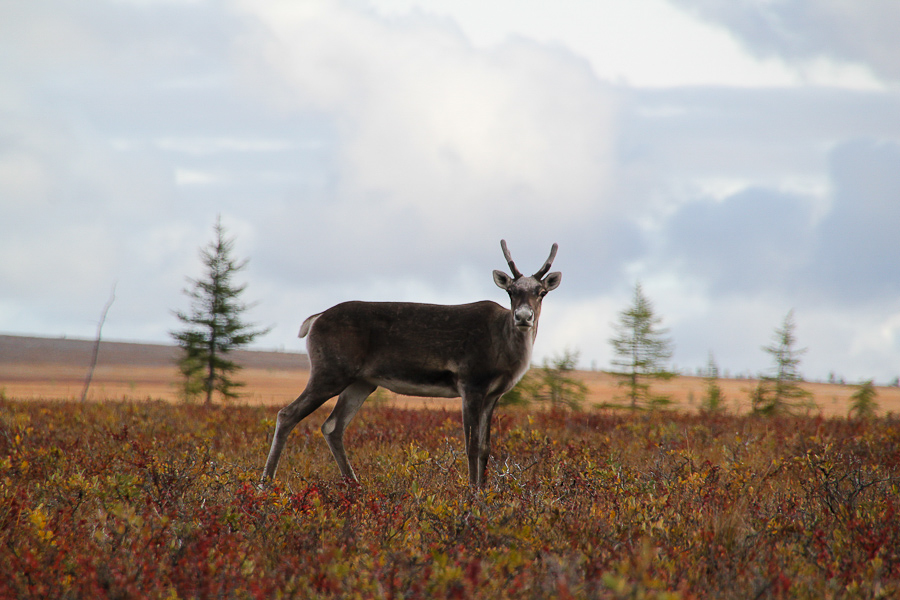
{"x":526,"y":362}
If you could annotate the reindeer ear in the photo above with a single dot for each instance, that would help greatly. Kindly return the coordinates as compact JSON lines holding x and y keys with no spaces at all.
{"x":552,"y":281}
{"x":502,"y":279}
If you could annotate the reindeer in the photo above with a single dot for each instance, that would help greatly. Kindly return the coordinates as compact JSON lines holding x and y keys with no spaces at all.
{"x":476,"y":351}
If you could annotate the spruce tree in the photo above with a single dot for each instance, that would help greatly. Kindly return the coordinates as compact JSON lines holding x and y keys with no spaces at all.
{"x":214,"y":328}
{"x":641,"y":350}
{"x":714,"y":398}
{"x":862,"y":403}
{"x":780,"y":391}
{"x":559,"y":387}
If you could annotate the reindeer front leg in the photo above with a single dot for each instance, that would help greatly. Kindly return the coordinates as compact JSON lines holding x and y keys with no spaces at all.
{"x":478,"y":410}
{"x":470,"y":429}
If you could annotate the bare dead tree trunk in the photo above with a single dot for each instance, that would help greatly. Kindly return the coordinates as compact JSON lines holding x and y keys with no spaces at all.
{"x":96,"y":352}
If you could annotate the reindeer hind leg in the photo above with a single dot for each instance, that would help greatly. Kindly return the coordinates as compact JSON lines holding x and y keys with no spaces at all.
{"x":312,"y":398}
{"x":348,"y":404}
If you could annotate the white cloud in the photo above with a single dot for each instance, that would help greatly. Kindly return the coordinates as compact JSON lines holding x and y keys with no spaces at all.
{"x":24,"y":180}
{"x":862,"y":344}
{"x":835,"y":42}
{"x":201,"y":146}
{"x":195,"y":177}
{"x":584,"y":325}
{"x":45,"y":35}
{"x":59,"y":273}
{"x":643,"y":43}
{"x":457,"y":137}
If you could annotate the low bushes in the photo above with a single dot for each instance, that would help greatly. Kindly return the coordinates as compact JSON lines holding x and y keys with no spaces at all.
{"x":153,"y":500}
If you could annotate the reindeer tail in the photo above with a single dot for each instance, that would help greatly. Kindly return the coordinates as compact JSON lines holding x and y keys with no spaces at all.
{"x":307,"y":324}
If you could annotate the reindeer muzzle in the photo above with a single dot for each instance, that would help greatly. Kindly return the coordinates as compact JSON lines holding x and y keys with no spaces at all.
{"x":523,"y":317}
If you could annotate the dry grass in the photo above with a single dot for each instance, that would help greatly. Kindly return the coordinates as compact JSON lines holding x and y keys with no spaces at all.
{"x":278,"y":386}
{"x":687,"y":393}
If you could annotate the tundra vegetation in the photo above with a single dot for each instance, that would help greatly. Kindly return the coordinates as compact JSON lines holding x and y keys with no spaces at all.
{"x":154,"y":500}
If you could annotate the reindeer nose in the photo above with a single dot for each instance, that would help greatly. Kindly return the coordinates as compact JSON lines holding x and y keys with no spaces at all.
{"x":524,"y":317}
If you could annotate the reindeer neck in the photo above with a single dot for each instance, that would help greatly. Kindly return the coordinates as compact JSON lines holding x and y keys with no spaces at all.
{"x":521,"y":342}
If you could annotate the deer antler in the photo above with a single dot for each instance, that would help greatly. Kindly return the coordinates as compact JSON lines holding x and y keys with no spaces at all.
{"x":543,"y":270}
{"x":516,"y":273}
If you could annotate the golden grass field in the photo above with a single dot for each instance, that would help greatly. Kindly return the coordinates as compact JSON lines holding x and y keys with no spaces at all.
{"x":46,"y":368}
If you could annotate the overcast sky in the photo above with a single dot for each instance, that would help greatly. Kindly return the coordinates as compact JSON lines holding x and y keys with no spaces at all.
{"x":739,"y":158}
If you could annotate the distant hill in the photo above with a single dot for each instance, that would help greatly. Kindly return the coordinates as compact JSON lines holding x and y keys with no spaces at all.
{"x":16,"y":349}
